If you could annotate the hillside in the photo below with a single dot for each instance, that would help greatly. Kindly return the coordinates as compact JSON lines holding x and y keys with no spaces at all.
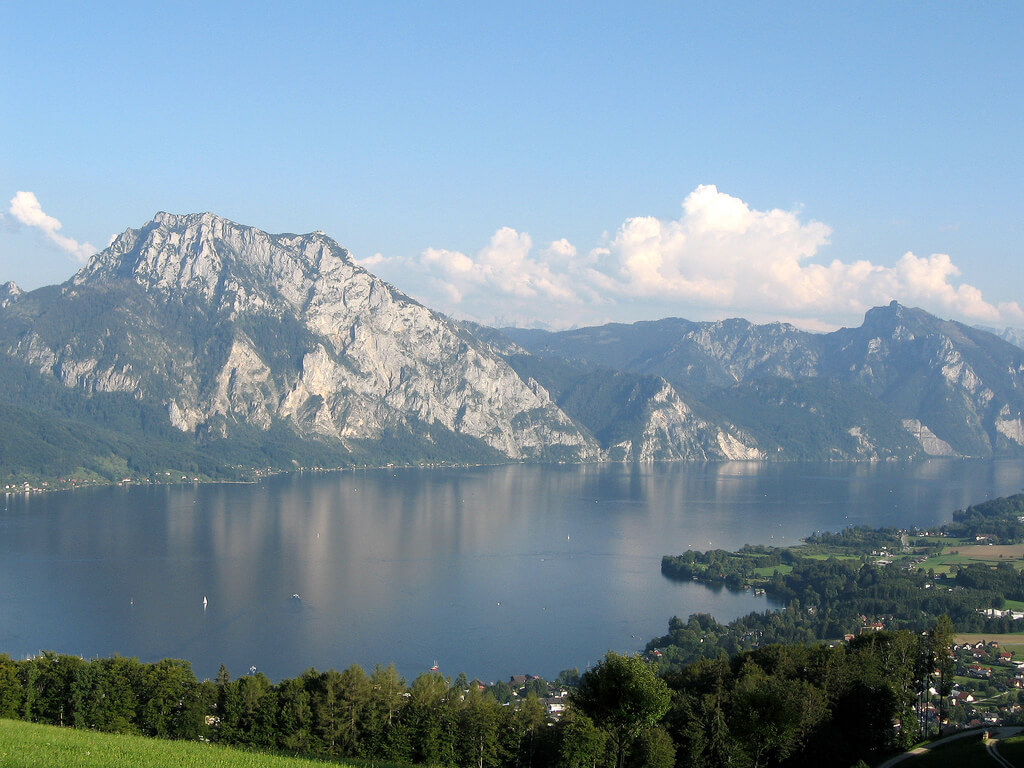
{"x":50,"y":746}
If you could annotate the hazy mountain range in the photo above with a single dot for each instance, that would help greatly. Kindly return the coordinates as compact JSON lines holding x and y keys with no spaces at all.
{"x":197,"y":345}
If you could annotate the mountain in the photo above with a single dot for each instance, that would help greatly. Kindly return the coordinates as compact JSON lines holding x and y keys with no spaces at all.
{"x":8,"y":292}
{"x":234,"y":335}
{"x":903,"y":383}
{"x":197,"y":345}
{"x":1013,"y":335}
{"x":633,"y":416}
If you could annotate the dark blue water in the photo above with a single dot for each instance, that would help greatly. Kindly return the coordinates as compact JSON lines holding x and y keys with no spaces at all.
{"x":491,"y":571}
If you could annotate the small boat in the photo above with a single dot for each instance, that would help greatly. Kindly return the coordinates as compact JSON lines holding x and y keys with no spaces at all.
{"x":435,"y":667}
{"x":296,"y":596}
{"x":205,"y":601}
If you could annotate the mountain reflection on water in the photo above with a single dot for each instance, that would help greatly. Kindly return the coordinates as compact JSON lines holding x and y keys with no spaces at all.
{"x":492,"y":571}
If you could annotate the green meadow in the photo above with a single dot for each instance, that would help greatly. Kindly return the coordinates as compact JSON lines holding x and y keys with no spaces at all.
{"x":28,"y":745}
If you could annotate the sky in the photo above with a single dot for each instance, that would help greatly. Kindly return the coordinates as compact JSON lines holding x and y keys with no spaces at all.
{"x":553,"y":164}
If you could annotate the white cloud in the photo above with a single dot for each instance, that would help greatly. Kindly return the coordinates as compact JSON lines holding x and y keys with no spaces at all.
{"x":26,"y":209}
{"x":720,"y":257}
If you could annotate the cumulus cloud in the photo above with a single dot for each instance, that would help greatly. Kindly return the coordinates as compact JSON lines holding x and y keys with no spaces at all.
{"x":26,"y":209}
{"x":720,"y":256}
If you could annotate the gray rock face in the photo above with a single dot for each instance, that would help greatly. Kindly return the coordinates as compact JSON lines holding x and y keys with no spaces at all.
{"x":8,"y":292}
{"x":230,"y":325}
{"x":669,"y":429}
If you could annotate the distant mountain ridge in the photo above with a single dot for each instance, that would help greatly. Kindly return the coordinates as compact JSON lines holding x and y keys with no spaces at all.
{"x":954,"y":389}
{"x":196,"y":344}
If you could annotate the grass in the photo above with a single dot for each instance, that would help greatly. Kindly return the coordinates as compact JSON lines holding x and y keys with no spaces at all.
{"x":964,"y":554}
{"x":769,"y":570}
{"x":1013,"y":749}
{"x":28,"y":745}
{"x":967,"y":752}
{"x":992,"y":552}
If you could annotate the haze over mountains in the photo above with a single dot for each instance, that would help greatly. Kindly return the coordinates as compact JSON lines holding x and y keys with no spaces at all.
{"x":197,"y":345}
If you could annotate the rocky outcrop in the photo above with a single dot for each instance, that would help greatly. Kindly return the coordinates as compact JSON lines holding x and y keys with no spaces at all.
{"x":669,"y":430}
{"x":9,"y":292}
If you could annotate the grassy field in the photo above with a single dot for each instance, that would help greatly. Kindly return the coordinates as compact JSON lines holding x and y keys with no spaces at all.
{"x":1013,"y":749}
{"x":968,"y":752}
{"x":990,"y":552}
{"x":974,"y":554}
{"x":27,"y":745}
{"x":769,"y":570}
{"x":963,"y":753}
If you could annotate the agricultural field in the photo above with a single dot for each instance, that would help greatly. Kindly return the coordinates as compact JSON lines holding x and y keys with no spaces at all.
{"x":1008,"y":641}
{"x":964,"y":554}
{"x":28,"y":745}
{"x":990,"y":552}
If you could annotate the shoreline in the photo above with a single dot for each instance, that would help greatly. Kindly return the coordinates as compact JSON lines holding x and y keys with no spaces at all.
{"x":55,"y":485}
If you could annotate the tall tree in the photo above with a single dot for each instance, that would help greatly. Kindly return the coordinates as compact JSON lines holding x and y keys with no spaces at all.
{"x":11,"y":696}
{"x":773,"y":714}
{"x":624,"y":695}
{"x":940,"y":638}
{"x":385,"y":734}
{"x":582,"y":743}
{"x":479,"y":717}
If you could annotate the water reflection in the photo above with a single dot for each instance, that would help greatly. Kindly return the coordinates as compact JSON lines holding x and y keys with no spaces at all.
{"x":492,"y":571}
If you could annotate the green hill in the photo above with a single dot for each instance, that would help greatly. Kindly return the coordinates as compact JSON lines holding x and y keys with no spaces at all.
{"x":48,"y":746}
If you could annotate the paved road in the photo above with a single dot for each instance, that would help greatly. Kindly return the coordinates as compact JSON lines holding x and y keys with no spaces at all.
{"x":994,"y":735}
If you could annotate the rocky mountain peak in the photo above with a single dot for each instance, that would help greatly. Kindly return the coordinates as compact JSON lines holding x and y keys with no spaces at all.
{"x":9,"y":292}
{"x":228,"y":328}
{"x":202,"y":255}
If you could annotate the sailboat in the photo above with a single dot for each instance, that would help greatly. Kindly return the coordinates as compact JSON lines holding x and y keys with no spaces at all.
{"x":205,"y":601}
{"x":435,"y":667}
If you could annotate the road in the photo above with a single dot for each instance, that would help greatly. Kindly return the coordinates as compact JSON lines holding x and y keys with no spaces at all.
{"x":994,"y":735}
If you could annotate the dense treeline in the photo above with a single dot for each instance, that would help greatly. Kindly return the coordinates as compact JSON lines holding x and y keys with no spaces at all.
{"x":828,"y":599}
{"x":322,"y":714}
{"x":802,"y":705}
{"x":779,"y":705}
{"x":1002,"y":519}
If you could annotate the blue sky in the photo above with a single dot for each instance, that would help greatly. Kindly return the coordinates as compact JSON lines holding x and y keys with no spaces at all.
{"x":542,"y":163}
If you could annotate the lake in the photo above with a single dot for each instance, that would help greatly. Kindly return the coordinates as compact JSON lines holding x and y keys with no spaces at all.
{"x":492,"y":571}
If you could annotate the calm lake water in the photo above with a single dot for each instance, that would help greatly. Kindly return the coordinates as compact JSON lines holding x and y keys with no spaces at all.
{"x":492,"y":571}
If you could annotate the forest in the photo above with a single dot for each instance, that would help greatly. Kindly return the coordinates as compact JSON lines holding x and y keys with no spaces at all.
{"x":779,"y":705}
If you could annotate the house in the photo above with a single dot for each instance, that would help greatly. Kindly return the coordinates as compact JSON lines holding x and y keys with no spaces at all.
{"x":555,"y":707}
{"x":979,"y":672}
